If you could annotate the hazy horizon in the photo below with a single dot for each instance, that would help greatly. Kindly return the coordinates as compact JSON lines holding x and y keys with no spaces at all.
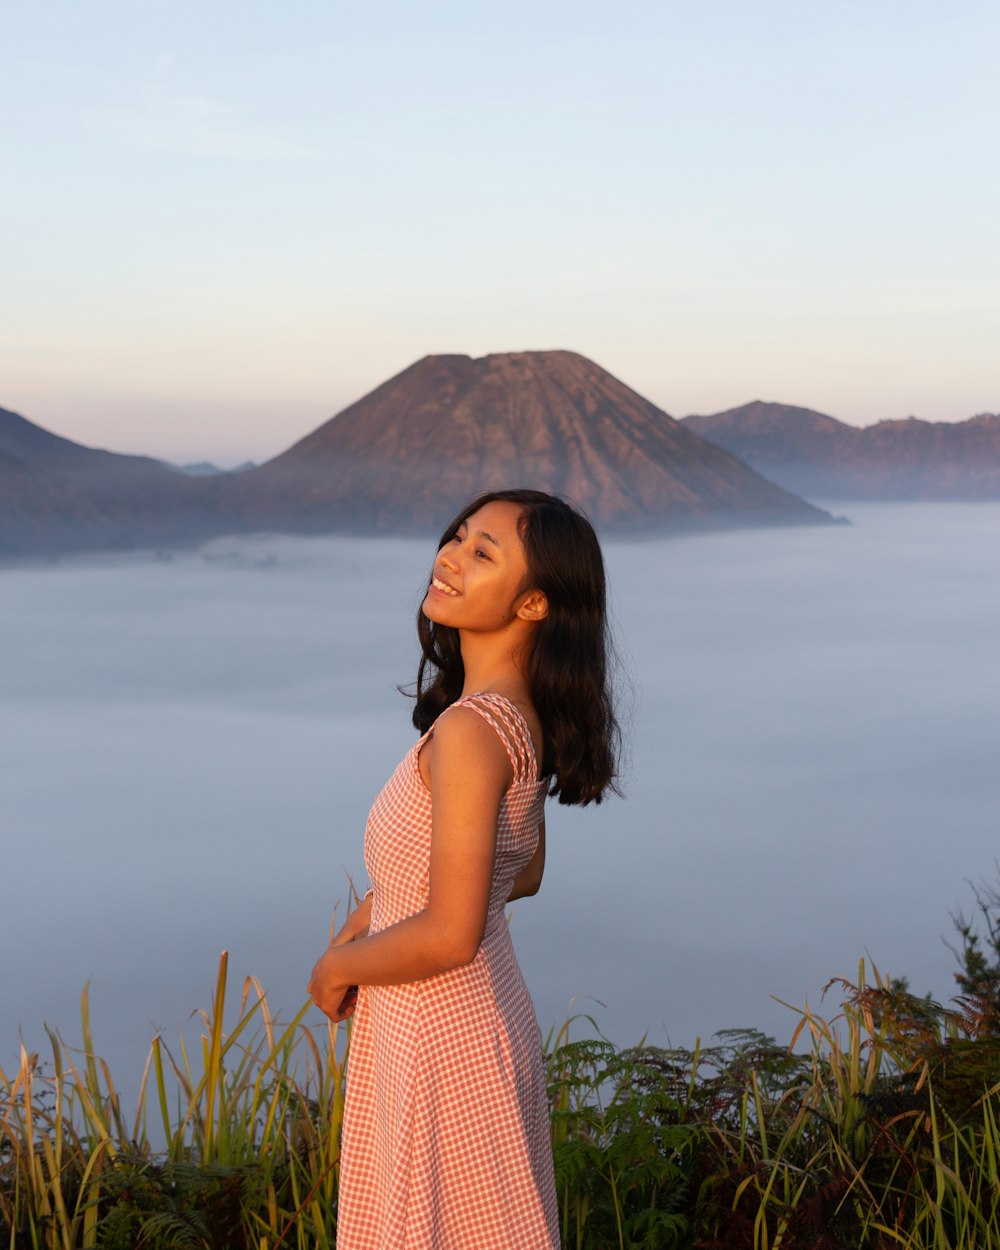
{"x":190,"y":747}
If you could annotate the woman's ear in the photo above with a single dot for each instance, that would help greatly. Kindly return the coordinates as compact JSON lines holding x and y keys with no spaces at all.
{"x":534,"y":606}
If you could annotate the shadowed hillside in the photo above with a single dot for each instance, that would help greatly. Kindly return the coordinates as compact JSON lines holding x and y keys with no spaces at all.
{"x":57,"y":496}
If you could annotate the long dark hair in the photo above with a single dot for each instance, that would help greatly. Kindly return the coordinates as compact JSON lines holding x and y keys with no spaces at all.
{"x":568,"y":669}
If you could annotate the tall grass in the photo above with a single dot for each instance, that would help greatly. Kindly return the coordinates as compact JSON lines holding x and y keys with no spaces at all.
{"x":883,"y":1134}
{"x":250,"y":1129}
{"x":877,"y":1127}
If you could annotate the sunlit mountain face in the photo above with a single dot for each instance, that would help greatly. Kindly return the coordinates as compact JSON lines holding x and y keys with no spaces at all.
{"x":416,"y":448}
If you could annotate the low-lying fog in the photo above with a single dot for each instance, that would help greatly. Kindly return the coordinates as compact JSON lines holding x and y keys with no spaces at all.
{"x":188,"y":749}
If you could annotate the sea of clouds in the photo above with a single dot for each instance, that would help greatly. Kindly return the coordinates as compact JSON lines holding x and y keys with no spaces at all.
{"x":189,"y":747}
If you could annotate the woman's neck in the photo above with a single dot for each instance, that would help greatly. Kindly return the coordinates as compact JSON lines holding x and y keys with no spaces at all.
{"x":491,"y":663}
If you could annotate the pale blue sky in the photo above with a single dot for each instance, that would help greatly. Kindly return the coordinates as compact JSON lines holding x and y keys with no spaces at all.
{"x":224,"y":222}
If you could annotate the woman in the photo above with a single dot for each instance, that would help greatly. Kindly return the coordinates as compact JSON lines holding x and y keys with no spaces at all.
{"x":446,"y":1136}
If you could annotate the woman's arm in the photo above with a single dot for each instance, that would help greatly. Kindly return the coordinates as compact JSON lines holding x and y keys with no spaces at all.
{"x":529,"y":878}
{"x":470,"y":772}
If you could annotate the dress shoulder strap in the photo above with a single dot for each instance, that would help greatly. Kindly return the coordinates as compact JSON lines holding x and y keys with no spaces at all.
{"x":510,"y":727}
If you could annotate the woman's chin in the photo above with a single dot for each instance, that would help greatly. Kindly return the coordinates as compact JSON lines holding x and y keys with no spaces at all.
{"x":431,"y":609}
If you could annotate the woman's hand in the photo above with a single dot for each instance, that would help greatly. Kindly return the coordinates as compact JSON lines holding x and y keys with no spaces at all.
{"x":331,"y":993}
{"x":329,"y":988}
{"x":356,"y":924}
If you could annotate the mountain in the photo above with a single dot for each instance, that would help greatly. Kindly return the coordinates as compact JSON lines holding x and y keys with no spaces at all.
{"x":820,"y":457}
{"x":401,"y":460}
{"x":58,"y":496}
{"x":407,"y":455}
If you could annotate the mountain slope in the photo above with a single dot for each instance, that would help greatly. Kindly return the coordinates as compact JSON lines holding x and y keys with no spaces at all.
{"x":413,"y":450}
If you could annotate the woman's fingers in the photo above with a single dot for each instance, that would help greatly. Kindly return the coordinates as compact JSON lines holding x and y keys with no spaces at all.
{"x":344,"y":1008}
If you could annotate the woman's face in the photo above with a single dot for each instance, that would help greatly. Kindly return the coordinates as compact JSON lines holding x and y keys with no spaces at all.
{"x":479,"y":579}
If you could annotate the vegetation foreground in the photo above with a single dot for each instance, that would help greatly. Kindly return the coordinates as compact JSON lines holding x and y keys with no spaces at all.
{"x":881,"y":1130}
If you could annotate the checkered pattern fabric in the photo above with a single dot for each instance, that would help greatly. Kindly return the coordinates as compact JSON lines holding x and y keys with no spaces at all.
{"x":446,"y":1133}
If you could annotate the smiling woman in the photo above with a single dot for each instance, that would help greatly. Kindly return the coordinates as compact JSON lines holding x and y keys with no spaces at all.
{"x":446,"y":1138}
{"x":483,"y":570}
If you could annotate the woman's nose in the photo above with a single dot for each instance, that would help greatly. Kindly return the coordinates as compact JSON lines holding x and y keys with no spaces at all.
{"x":447,"y":561}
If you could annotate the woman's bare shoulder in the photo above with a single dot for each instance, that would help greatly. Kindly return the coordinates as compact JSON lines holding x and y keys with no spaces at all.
{"x":463,"y":739}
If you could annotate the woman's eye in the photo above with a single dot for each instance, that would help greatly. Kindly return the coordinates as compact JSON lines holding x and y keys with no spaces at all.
{"x":481,"y":552}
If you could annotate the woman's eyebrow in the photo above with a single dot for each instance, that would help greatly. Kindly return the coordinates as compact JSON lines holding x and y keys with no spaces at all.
{"x":489,"y":538}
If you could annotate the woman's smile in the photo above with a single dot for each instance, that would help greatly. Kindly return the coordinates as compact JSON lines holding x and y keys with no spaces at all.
{"x":443,"y":587}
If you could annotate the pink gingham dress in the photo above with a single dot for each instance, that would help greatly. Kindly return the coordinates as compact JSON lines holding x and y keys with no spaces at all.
{"x":446,"y":1140}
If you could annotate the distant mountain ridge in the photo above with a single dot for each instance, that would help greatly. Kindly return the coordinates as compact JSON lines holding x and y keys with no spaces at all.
{"x":414,"y":449}
{"x":59,"y":496}
{"x":205,"y":468}
{"x":822,"y":458}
